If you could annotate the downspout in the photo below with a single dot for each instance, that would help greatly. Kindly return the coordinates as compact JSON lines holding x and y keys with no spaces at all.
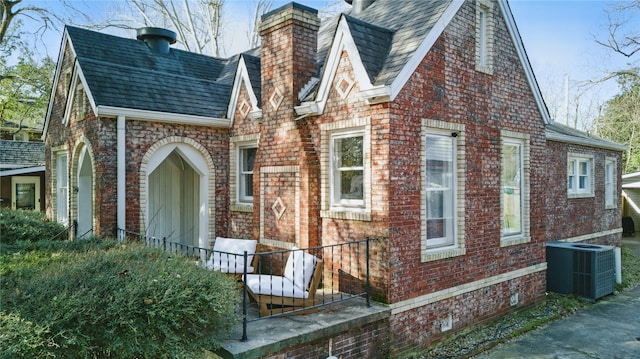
{"x":121,"y":178}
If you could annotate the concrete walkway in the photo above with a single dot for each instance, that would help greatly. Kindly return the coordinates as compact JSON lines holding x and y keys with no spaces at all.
{"x":608,"y":329}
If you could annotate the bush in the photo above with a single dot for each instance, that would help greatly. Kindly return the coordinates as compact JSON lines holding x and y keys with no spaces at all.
{"x":19,"y":225}
{"x":123,"y":302}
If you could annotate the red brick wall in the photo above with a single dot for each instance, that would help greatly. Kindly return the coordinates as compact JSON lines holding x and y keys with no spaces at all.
{"x":573,"y":217}
{"x":424,"y":325}
{"x":369,"y":341}
{"x":101,"y":136}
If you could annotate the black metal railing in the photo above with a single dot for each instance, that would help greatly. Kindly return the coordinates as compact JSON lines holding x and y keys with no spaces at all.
{"x":344,"y":274}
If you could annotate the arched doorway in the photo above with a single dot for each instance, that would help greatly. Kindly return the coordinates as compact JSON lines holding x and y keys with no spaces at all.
{"x":85,"y":194}
{"x":177,"y":195}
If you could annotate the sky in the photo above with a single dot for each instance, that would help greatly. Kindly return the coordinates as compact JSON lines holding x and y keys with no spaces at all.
{"x":559,"y":37}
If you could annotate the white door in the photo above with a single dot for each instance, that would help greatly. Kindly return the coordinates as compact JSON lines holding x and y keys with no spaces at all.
{"x":85,"y":195}
{"x":25,"y":193}
{"x":173,"y":201}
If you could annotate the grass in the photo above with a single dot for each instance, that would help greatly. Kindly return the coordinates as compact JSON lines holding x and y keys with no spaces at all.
{"x":476,"y":339}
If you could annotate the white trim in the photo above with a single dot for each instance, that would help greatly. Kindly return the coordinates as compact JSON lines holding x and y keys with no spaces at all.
{"x":343,"y":41}
{"x":121,"y":201}
{"x":524,"y":59}
{"x":417,"y":302}
{"x":65,"y":39}
{"x":166,"y":117}
{"x":597,"y":143}
{"x":242,"y":76}
{"x":410,"y":67}
{"x":20,"y":171}
{"x":594,"y":235}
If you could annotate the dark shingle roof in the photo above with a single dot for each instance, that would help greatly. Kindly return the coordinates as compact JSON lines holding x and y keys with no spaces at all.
{"x":125,"y":73}
{"x":373,"y":44}
{"x":410,"y":21}
{"x":19,"y":154}
{"x":386,"y":34}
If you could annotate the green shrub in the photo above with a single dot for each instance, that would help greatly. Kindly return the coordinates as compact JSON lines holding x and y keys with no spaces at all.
{"x":19,"y":225}
{"x":124,"y":302}
{"x":22,"y":339}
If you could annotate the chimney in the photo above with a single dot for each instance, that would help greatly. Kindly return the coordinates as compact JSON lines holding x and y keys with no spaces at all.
{"x":358,"y":6}
{"x":288,"y":53}
{"x":156,"y":38}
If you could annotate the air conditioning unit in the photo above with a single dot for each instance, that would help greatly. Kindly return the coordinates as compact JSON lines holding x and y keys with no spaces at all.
{"x":586,"y":270}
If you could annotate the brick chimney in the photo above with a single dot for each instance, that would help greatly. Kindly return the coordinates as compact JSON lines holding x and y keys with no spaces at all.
{"x":286,"y":162}
{"x":288,"y":55}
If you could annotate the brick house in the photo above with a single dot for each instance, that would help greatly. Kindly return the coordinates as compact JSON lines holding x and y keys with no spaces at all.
{"x":417,"y":123}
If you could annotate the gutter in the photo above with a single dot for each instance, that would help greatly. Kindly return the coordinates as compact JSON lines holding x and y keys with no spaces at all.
{"x":586,"y":142}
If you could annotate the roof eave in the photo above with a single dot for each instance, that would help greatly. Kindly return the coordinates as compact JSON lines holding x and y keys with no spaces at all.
{"x":166,"y":117}
{"x":585,"y":141}
{"x":20,"y":171}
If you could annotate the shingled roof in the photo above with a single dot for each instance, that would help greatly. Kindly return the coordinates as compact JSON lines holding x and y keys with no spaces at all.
{"x":126,"y":73}
{"x":20,"y":154}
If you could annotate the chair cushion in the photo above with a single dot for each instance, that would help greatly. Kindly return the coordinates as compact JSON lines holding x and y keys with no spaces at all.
{"x":227,"y":263}
{"x":228,"y":255}
{"x":299,"y":268}
{"x":265,"y":284}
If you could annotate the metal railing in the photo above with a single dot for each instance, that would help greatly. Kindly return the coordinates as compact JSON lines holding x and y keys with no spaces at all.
{"x":344,"y":274}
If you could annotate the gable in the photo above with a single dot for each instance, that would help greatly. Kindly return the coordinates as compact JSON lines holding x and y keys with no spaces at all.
{"x":387,"y":42}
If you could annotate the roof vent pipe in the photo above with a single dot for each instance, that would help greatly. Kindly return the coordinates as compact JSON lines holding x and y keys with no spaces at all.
{"x":358,"y":6}
{"x":158,"y":39}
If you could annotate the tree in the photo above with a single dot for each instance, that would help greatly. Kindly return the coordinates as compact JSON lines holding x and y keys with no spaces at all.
{"x":621,"y":121}
{"x":253,"y":34}
{"x":24,"y":95}
{"x":197,"y":23}
{"x":25,"y":76}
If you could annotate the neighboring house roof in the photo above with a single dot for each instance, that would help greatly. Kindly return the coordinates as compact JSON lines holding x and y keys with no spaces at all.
{"x":631,"y":180}
{"x":19,"y":154}
{"x":562,"y":133}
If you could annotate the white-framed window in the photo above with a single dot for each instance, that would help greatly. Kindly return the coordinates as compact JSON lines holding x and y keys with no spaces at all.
{"x":484,"y":36}
{"x":442,"y":156}
{"x":610,"y":183}
{"x":440,"y":191}
{"x":346,"y":169}
{"x":62,"y":188}
{"x":580,"y":176}
{"x":515,"y":193}
{"x":243,"y":150}
{"x":246,"y":159}
{"x":512,"y":170}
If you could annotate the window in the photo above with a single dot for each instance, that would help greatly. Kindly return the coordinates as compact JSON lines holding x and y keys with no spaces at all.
{"x":580,"y":176}
{"x":246,"y":156}
{"x":440,"y":190}
{"x":62,"y":189}
{"x":347,"y":169}
{"x":610,"y":183}
{"x":512,"y":170}
{"x":515,"y":195}
{"x":242,"y":156}
{"x":484,"y":36}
